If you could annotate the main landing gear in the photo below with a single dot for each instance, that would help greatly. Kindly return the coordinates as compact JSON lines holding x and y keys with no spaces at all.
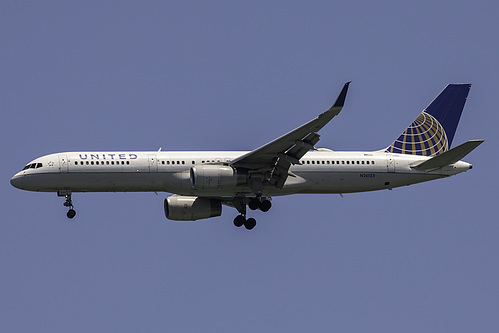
{"x":68,"y":203}
{"x":253,"y":204}
{"x":257,"y":203}
{"x":241,"y":220}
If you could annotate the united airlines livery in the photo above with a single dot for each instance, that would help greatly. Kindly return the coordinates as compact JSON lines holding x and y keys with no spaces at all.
{"x":202,"y":181}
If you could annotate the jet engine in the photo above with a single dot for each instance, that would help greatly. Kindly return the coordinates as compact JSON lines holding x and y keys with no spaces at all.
{"x":184,"y":208}
{"x":213,"y":177}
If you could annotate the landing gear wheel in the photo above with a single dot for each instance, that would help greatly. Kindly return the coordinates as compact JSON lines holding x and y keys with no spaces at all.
{"x":265,"y":205}
{"x":67,"y":203}
{"x":239,"y":221}
{"x":250,"y":223}
{"x":254,"y":204}
{"x":71,"y":213}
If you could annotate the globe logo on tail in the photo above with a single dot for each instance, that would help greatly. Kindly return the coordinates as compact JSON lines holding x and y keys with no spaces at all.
{"x":425,"y":136}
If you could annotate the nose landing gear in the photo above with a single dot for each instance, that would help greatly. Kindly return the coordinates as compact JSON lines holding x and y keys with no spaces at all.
{"x":68,"y":203}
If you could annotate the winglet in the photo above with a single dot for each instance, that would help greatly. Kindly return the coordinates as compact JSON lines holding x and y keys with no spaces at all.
{"x":340,"y":101}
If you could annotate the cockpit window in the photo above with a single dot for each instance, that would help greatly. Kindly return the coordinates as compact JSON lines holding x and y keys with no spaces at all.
{"x":33,"y":166}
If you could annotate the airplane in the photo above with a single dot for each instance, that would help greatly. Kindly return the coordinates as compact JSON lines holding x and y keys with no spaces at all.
{"x":202,"y":181}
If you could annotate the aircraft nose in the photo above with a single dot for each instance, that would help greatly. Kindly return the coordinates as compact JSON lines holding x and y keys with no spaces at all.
{"x":17,"y":181}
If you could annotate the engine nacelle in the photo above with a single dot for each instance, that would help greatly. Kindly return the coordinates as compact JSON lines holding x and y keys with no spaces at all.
{"x":183,"y":208}
{"x":213,"y":177}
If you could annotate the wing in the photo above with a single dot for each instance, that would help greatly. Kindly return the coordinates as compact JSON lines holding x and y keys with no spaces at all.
{"x":269,"y":164}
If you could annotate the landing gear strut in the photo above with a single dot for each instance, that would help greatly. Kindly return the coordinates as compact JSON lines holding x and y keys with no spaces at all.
{"x":253,"y":204}
{"x":68,"y":203}
{"x":240,"y":220}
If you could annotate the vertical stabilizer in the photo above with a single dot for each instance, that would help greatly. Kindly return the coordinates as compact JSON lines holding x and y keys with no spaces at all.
{"x":432,"y":132}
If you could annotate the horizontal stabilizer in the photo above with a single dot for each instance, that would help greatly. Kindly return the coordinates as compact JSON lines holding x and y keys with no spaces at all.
{"x":448,"y":157}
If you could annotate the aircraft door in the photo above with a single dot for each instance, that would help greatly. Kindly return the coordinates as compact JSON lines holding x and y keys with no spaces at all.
{"x":153,"y":163}
{"x":390,"y":164}
{"x":63,"y":164}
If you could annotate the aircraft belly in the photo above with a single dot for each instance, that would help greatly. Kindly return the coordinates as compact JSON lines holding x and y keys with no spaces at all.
{"x":341,"y":182}
{"x":103,"y":182}
{"x":317,"y":183}
{"x":179,"y":183}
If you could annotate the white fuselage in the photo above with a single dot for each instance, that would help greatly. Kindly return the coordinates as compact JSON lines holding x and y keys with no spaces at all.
{"x":320,"y":171}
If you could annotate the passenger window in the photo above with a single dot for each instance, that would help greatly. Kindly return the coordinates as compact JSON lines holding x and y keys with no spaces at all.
{"x":87,"y":163}
{"x":372,"y":162}
{"x":358,"y":162}
{"x":76,"y":162}
{"x":362,"y":162}
{"x":97,"y":162}
{"x":128,"y":162}
{"x":348,"y":162}
{"x":162,"y":162}
{"x":92,"y":162}
{"x":193,"y":162}
{"x":183,"y":162}
{"x":342,"y":162}
{"x":323,"y":162}
{"x":167,"y":162}
{"x":367,"y":162}
{"x":308,"y":162}
{"x":122,"y":162}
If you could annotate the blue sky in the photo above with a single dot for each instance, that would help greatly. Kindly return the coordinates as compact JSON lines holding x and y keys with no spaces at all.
{"x":231,"y":75}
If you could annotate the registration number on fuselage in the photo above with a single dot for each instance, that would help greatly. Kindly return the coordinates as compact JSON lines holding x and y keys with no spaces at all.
{"x":367,"y":175}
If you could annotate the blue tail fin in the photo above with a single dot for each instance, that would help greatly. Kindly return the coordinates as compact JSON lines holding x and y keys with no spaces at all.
{"x":432,"y":132}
